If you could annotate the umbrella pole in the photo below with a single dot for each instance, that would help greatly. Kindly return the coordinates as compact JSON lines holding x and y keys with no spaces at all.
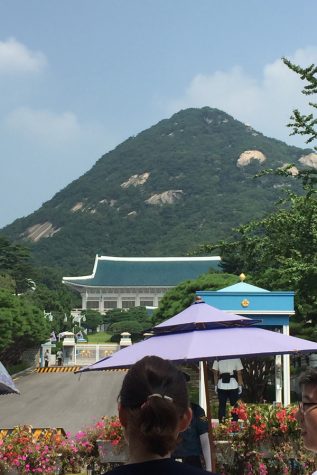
{"x":209,"y":418}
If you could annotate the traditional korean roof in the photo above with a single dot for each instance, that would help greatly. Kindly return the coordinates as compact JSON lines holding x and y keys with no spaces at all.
{"x":144,"y":271}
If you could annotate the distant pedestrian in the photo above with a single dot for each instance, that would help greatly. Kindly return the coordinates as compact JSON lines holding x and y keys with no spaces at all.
{"x":228,"y":384}
{"x":59,"y":357}
{"x":46,"y":358}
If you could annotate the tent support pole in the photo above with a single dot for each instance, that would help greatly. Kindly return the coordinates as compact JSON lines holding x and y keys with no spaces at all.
{"x":209,"y":418}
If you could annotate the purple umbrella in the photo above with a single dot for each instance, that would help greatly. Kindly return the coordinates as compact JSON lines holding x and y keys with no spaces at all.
{"x":206,"y":345}
{"x":199,"y":315}
{"x":7,"y":386}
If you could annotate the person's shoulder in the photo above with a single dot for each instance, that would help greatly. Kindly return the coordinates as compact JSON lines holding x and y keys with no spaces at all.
{"x":158,"y":467}
{"x":116,"y":471}
{"x":178,"y":468}
{"x":197,"y":409}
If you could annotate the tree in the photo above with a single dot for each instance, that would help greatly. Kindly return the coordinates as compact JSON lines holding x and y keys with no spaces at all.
{"x":136,"y":329}
{"x":22,"y":326}
{"x":15,"y":261}
{"x":305,"y":124}
{"x":92,"y":319}
{"x":280,"y":250}
{"x":183,"y":295}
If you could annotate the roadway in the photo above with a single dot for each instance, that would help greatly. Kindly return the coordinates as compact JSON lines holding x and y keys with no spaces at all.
{"x":67,"y":400}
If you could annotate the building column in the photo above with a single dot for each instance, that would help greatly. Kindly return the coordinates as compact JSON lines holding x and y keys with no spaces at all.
{"x":119,"y":301}
{"x":286,"y":373}
{"x":278,"y":379}
{"x":202,"y":393}
{"x":84,"y":300}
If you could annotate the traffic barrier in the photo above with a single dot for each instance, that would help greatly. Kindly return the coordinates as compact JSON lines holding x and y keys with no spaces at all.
{"x":66,"y":369}
{"x":58,"y":369}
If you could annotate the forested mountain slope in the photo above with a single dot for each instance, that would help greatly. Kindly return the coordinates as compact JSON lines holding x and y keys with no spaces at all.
{"x":184,"y":181}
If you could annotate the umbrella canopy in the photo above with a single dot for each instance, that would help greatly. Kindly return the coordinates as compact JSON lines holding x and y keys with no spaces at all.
{"x":199,"y":315}
{"x":7,"y":386}
{"x":205,"y":345}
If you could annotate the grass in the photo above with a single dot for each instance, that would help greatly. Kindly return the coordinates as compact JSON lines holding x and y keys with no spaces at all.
{"x":101,"y":337}
{"x":13,"y":369}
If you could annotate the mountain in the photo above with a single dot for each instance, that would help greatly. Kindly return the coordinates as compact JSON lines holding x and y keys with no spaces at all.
{"x":184,"y":181}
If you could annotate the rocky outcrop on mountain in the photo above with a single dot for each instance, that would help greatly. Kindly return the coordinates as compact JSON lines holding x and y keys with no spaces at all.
{"x":135,"y":180}
{"x":77,"y":207}
{"x":39,"y":231}
{"x":309,"y":160}
{"x":166,"y":198}
{"x":249,"y":155}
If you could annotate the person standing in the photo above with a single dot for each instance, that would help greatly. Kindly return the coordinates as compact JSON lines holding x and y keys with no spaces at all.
{"x":153,"y":410}
{"x":46,"y":358}
{"x":195,"y":440}
{"x":307,"y":409}
{"x":59,"y":357}
{"x":228,"y":384}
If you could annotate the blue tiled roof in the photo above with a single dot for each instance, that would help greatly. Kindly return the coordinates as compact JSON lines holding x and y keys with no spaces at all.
{"x":120,"y":272}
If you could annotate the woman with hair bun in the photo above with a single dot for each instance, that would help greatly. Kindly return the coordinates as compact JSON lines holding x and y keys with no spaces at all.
{"x":154,"y":409}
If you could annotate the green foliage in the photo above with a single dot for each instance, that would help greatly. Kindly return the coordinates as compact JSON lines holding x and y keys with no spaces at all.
{"x":137,"y":314}
{"x":126,"y":326}
{"x":15,"y":265}
{"x":22,"y":326}
{"x":280,"y":250}
{"x":303,"y":124}
{"x":183,"y":295}
{"x":100,"y":337}
{"x":93,"y":319}
{"x":135,"y":320}
{"x":195,"y":151}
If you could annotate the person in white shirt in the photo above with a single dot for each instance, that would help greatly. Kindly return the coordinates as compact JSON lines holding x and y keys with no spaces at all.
{"x":228,"y":384}
{"x":307,"y":409}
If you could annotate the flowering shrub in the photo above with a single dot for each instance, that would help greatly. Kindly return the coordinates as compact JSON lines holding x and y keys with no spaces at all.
{"x":53,"y":452}
{"x":20,"y":450}
{"x":265,"y":441}
{"x":108,"y":429}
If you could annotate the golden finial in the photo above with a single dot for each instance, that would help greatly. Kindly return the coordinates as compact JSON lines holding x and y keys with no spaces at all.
{"x":242,"y":277}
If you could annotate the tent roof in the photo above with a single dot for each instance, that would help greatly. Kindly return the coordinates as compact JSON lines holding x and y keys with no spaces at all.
{"x":243,"y":287}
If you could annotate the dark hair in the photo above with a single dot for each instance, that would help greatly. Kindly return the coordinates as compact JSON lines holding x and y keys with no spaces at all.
{"x":154,"y":393}
{"x":309,"y":377}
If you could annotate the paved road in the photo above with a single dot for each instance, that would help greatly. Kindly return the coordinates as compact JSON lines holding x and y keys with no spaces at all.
{"x":67,"y":400}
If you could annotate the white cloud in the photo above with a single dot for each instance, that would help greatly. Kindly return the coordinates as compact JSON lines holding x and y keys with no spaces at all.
{"x":15,"y":57}
{"x":266,"y":102}
{"x":44,"y":126}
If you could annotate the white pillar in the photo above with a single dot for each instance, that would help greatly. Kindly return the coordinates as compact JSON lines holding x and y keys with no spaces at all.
{"x":84,"y":300}
{"x":286,"y":373}
{"x":202,"y":393}
{"x":278,"y":378}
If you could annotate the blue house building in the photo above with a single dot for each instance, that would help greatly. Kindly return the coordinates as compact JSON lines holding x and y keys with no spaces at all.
{"x":125,"y":282}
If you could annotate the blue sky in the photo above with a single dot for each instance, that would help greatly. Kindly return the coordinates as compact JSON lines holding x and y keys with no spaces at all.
{"x":79,"y":77}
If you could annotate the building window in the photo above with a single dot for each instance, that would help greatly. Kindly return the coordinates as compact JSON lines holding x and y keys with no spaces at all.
{"x":146,"y":302}
{"x":110,"y":304}
{"x":92,"y":304}
{"x":128,"y":303}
